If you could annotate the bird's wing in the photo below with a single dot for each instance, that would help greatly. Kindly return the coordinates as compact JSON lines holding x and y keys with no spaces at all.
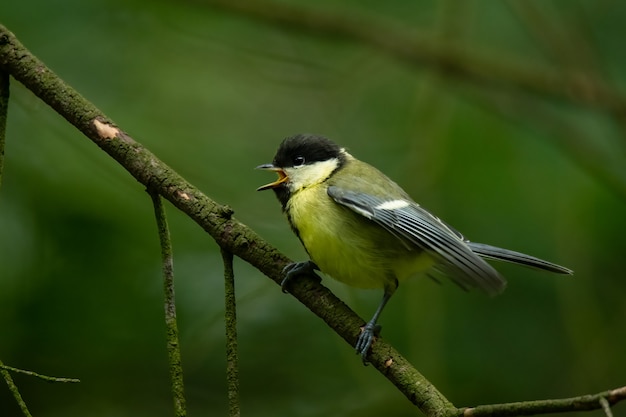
{"x":410,"y":223}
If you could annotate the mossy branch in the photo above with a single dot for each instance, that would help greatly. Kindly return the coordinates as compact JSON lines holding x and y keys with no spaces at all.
{"x":173,"y":345}
{"x":231,"y":235}
{"x":232,"y":355}
{"x":215,"y":219}
{"x":4,"y":371}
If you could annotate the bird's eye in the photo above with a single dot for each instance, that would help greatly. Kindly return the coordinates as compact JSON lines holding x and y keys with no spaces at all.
{"x":298,"y":161}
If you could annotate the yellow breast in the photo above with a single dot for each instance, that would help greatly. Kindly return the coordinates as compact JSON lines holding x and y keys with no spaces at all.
{"x":347,"y":246}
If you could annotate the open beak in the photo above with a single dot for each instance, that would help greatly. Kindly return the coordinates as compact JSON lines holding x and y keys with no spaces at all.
{"x":282,"y":177}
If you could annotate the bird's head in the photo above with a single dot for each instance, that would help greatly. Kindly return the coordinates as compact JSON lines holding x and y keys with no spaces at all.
{"x":302,"y":161}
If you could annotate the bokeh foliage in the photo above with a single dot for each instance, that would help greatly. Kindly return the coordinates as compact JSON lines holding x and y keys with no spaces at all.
{"x":212,"y":93}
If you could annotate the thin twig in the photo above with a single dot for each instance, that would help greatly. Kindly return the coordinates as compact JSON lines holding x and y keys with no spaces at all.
{"x":602,"y":400}
{"x":232,"y":356}
{"x":13,"y":388}
{"x":606,"y":406}
{"x":40,"y":376}
{"x":173,"y":346}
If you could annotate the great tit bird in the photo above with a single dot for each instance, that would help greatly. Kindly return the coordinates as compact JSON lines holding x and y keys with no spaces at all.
{"x":361,"y":228}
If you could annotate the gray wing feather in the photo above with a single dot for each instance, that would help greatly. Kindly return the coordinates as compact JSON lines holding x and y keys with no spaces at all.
{"x":506,"y":255}
{"x":416,"y":227}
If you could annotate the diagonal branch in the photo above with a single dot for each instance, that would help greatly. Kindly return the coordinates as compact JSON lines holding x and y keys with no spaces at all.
{"x":235,"y":237}
{"x":215,"y":219}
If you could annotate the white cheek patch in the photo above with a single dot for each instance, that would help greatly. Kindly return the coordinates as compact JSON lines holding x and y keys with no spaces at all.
{"x":308,"y":175}
{"x":392,"y":205}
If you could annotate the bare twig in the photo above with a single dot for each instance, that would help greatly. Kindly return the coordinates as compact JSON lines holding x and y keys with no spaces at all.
{"x":602,"y":400}
{"x":173,"y":346}
{"x":40,"y":376}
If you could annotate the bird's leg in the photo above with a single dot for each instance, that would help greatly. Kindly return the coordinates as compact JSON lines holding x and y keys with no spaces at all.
{"x":297,"y":268}
{"x":371,"y":330}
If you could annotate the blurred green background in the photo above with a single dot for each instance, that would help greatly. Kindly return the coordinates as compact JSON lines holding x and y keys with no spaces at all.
{"x":212,"y":93}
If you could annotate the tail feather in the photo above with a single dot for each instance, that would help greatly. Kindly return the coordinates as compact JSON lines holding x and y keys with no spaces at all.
{"x":499,"y":254}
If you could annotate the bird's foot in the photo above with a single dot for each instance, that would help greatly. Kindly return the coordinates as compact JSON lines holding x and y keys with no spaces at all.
{"x":297,"y":268}
{"x":368,"y":335}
